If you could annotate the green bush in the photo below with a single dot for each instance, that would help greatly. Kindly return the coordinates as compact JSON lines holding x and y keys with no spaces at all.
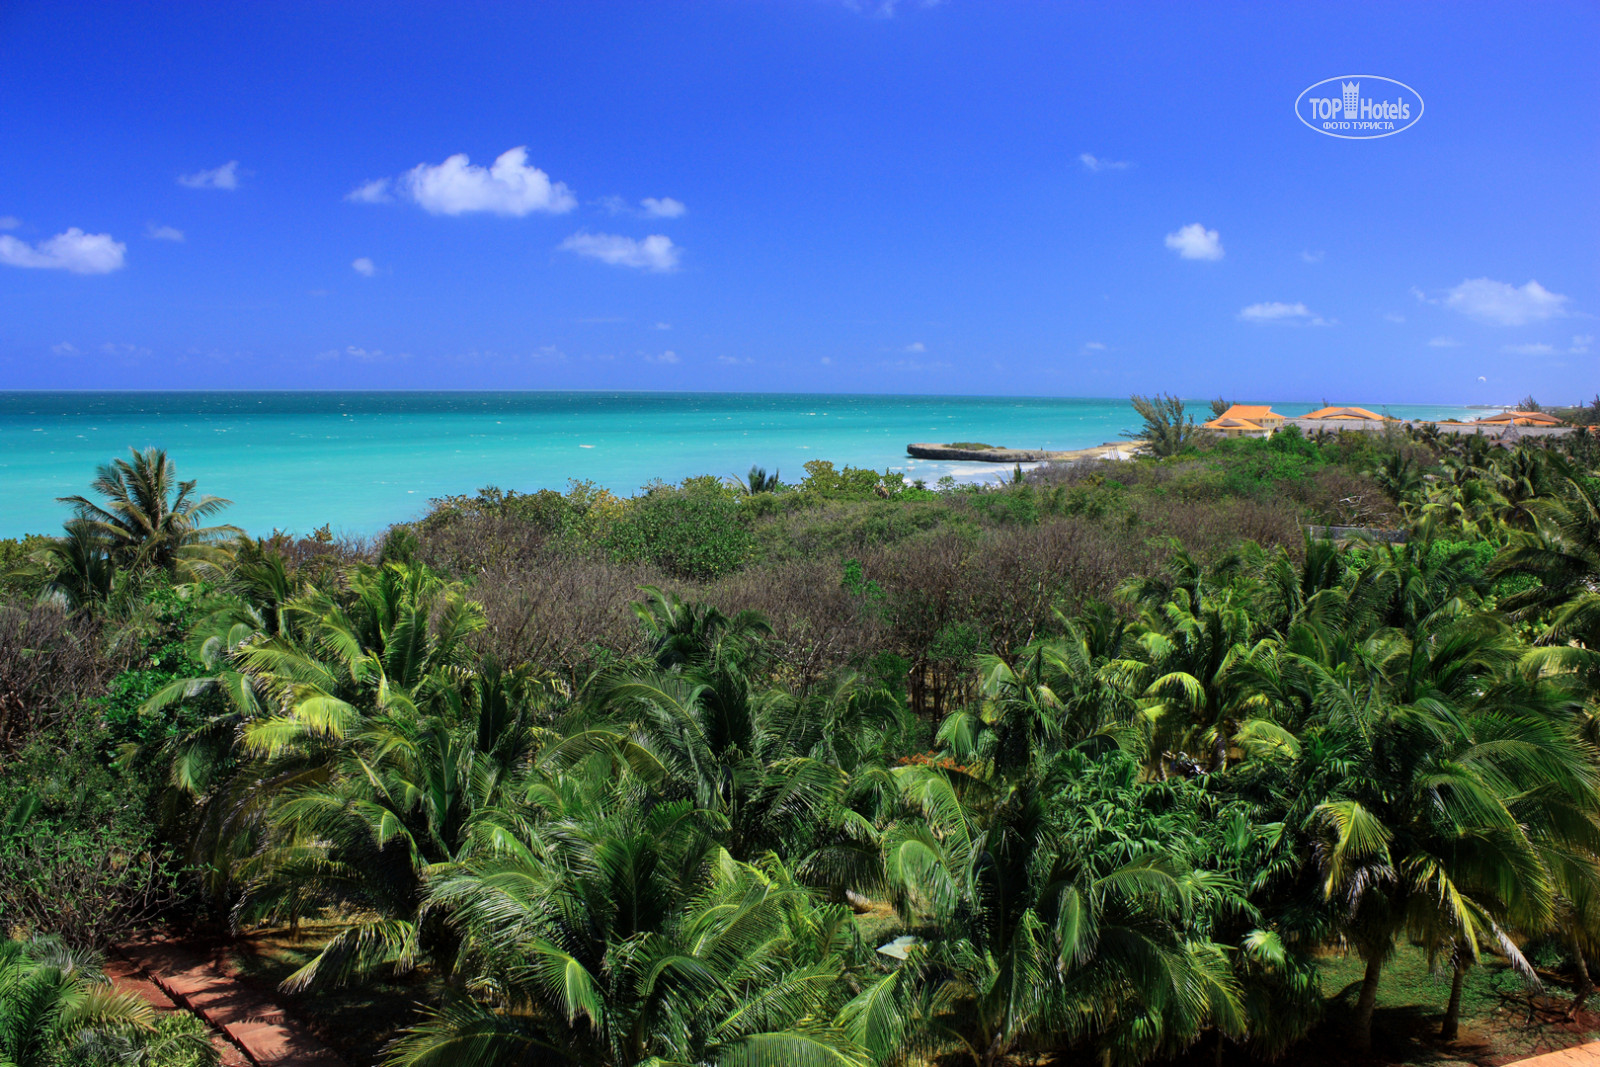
{"x":698,"y":531}
{"x":16,"y":582}
{"x":1016,"y":505}
{"x":180,"y":1040}
{"x":851,"y":483}
{"x":90,"y":885}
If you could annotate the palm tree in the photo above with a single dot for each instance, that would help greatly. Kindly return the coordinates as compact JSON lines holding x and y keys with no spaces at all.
{"x":299,"y":678}
{"x":1411,"y":786}
{"x":148,"y":518}
{"x":757,"y":481}
{"x":1407,"y":582}
{"x":1037,"y":931}
{"x":74,"y":570}
{"x":616,"y":932}
{"x":689,"y":634}
{"x":1053,"y":693}
{"x":54,"y":998}
{"x":1194,"y":624}
{"x":403,"y":799}
{"x":1563,"y":553}
{"x":1398,"y":476}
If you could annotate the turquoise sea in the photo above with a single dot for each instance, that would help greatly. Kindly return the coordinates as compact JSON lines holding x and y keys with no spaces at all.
{"x":361,"y":461}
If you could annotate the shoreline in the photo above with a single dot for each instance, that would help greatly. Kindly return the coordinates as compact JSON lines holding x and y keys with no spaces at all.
{"x":1110,"y":450}
{"x":362,"y":461}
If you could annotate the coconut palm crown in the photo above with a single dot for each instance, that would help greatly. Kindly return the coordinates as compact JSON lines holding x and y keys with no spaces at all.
{"x":148,"y":518}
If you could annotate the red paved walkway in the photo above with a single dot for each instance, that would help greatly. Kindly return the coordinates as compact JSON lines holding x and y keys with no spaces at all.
{"x":252,"y":1020}
{"x":1576,"y":1056}
{"x":127,"y":978}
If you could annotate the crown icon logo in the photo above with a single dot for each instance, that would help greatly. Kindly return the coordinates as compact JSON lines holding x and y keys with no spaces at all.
{"x":1352,"y":97}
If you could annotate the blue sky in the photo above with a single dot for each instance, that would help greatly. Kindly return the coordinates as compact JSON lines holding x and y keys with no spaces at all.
{"x":961,"y":197}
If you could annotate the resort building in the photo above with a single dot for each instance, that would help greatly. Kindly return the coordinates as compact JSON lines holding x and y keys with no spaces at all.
{"x":1247,"y":420}
{"x":1345,"y":414}
{"x":1520,"y":418}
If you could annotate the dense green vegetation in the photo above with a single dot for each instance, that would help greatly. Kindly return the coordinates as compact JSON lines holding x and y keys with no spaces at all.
{"x":58,"y":1010}
{"x":1102,"y":761}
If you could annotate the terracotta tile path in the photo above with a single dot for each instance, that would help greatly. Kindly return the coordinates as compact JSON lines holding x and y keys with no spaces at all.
{"x":1576,"y":1056}
{"x":128,"y":978}
{"x":253,"y":1022}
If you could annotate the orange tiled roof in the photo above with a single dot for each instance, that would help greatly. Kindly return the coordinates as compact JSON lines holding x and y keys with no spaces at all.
{"x":1223,"y":422}
{"x":1523,"y":418}
{"x":1343,"y":413}
{"x":1250,"y":412}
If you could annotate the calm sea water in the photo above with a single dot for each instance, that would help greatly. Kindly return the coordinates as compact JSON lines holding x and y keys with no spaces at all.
{"x":361,"y":461}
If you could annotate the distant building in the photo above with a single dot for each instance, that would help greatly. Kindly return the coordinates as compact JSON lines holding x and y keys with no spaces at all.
{"x":1521,"y":418}
{"x":1345,"y":414}
{"x":1247,"y":420}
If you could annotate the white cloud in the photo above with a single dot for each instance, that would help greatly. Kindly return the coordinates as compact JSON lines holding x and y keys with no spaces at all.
{"x":1094,"y":346}
{"x":826,"y":361}
{"x":1275,"y":311}
{"x":65,"y":348}
{"x":915,"y":346}
{"x":113,"y":349}
{"x":508,"y":187}
{"x":669,"y":356}
{"x":662,"y":208}
{"x":362,"y":355}
{"x":1095,"y":164}
{"x":373,"y":192}
{"x":76,"y":251}
{"x":1393,"y":317}
{"x":651,"y":207}
{"x":364,"y":267}
{"x":163,"y":233}
{"x":1501,"y":304}
{"x":223,"y":177}
{"x":1444,"y":342}
{"x":9,"y":222}
{"x":1579,"y":347}
{"x":1194,"y":241}
{"x":1312,"y":257}
{"x":663,"y":325}
{"x":730,"y":361}
{"x":655,"y":253}
{"x":883,"y":9}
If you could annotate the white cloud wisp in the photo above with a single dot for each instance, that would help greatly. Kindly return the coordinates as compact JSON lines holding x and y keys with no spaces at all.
{"x":1276,"y":311}
{"x":1501,"y":304}
{"x":507,"y":187}
{"x":223,"y":177}
{"x":373,"y":192}
{"x":662,"y":207}
{"x":74,"y":250}
{"x":1194,"y":241}
{"x":654,"y":253}
{"x":1094,"y":164}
